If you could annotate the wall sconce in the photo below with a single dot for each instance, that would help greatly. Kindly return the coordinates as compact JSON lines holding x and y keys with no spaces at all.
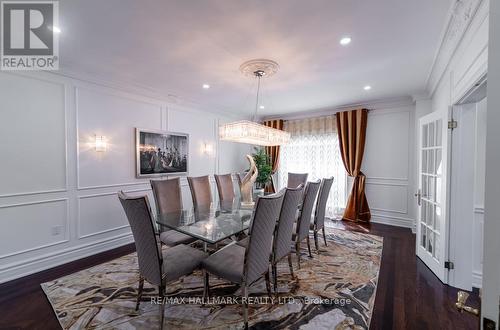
{"x":208,"y":149}
{"x":100,"y":143}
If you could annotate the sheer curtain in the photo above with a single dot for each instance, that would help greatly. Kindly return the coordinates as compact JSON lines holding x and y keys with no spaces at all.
{"x":314,"y":149}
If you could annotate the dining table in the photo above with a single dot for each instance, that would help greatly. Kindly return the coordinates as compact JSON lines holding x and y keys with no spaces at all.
{"x":210,"y":224}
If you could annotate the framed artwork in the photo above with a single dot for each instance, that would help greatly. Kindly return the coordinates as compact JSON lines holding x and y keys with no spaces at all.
{"x":160,"y":153}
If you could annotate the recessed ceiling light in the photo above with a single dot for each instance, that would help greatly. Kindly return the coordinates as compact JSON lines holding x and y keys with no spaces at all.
{"x":367,"y":87}
{"x":206,"y":86}
{"x":261,"y":107}
{"x":55,"y":29}
{"x":345,"y":41}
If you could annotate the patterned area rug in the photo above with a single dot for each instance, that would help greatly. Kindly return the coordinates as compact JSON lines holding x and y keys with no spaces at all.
{"x":334,"y":290}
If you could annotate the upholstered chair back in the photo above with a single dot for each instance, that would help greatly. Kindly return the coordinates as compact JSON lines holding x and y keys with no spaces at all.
{"x":324,"y":192}
{"x":138,"y":214}
{"x":295,"y":179}
{"x":200,"y":191}
{"x":307,"y":207}
{"x":267,"y":211}
{"x":225,"y":187}
{"x":283,"y":236}
{"x":168,"y":196}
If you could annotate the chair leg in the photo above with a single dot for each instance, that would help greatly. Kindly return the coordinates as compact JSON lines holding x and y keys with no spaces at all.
{"x":245,"y":305}
{"x":139,"y":292}
{"x":290,"y":264}
{"x":316,"y":241}
{"x":297,"y":250}
{"x":206,"y":285}
{"x":161,"y":292}
{"x":275,"y":278}
{"x":324,"y":236}
{"x":268,"y":283}
{"x":309,"y":246}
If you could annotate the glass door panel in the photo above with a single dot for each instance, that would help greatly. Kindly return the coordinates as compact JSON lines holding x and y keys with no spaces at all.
{"x":432,"y":154}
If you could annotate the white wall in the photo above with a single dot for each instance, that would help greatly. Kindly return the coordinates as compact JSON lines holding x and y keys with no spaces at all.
{"x":490,"y":306}
{"x":57,"y":194}
{"x":388,"y":165}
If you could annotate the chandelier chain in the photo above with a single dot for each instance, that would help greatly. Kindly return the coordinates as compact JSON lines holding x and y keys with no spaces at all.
{"x":258,"y":75}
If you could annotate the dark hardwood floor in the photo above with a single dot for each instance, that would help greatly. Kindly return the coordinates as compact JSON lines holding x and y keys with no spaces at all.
{"x":408,"y":296}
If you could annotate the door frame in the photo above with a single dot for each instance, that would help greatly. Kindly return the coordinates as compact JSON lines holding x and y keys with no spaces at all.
{"x":461,"y":195}
{"x":463,"y":276}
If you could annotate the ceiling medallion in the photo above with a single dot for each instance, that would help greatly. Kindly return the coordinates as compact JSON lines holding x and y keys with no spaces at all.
{"x":268,"y":67}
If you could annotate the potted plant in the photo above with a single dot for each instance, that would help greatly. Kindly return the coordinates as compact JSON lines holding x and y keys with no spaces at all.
{"x":262,"y":163}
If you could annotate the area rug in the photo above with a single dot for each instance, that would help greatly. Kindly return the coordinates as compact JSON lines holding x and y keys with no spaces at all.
{"x":333,"y":290}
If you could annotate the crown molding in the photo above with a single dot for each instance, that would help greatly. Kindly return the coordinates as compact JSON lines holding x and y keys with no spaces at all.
{"x":382,"y":104}
{"x":462,"y":13}
{"x":421,"y":97}
{"x":142,"y":90}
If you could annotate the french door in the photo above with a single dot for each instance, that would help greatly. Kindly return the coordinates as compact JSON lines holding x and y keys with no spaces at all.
{"x":432,"y":224}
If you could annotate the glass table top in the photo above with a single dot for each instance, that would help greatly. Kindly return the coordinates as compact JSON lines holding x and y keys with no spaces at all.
{"x":211,"y":223}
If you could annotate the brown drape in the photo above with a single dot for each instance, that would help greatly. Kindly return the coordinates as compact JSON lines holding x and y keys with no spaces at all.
{"x":351,"y":127}
{"x":274,"y":151}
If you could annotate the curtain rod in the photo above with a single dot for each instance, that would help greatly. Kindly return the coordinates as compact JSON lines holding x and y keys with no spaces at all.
{"x":304,"y":116}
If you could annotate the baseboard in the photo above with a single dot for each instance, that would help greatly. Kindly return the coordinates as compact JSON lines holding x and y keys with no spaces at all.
{"x":27,"y":267}
{"x":393,"y":221}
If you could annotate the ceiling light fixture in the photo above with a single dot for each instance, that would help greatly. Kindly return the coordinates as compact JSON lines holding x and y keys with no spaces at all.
{"x":345,"y":41}
{"x":251,"y":132}
{"x":206,"y":86}
{"x":367,"y":87}
{"x":262,"y":107}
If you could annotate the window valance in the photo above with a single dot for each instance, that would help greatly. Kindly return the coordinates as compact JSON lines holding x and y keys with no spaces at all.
{"x":311,"y":126}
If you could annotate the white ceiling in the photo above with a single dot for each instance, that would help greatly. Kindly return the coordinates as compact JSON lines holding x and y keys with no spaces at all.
{"x":173,"y":47}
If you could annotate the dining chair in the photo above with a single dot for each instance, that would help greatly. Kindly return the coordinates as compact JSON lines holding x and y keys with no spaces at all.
{"x":245,"y":265}
{"x":200,"y":191}
{"x":158,"y":267}
{"x":294,"y":179}
{"x":283,"y":232}
{"x":168,"y":199}
{"x":304,"y":220}
{"x":319,"y":214}
{"x":282,"y":246}
{"x":225,"y":187}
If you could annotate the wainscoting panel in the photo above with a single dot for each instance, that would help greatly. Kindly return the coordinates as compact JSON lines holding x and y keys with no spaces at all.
{"x":202,"y":138}
{"x":93,"y":209}
{"x":49,"y":219}
{"x":388,"y":197}
{"x":115,"y":117}
{"x":33,"y":144}
{"x":477,"y":245}
{"x":387,"y":144}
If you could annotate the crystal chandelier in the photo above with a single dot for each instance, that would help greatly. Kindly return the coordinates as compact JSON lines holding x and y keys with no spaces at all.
{"x":251,"y":132}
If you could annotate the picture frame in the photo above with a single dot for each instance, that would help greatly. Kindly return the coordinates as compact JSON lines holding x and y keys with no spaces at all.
{"x":161,"y":153}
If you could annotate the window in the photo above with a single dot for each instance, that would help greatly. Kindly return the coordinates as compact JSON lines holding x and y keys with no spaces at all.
{"x":314,"y":149}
